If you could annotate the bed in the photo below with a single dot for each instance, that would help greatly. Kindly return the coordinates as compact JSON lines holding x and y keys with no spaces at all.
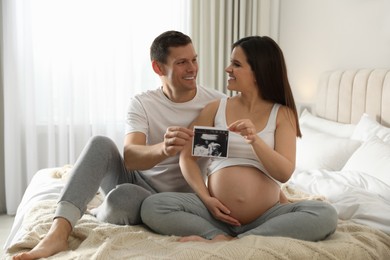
{"x":343,"y":158}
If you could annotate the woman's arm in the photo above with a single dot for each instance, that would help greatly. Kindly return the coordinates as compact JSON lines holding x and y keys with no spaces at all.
{"x":191,"y":171}
{"x":279,"y":162}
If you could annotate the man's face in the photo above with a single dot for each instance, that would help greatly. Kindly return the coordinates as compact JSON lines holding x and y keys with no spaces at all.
{"x":181,"y":68}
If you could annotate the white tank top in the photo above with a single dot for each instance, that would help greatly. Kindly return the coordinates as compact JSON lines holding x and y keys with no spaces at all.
{"x":240,"y":152}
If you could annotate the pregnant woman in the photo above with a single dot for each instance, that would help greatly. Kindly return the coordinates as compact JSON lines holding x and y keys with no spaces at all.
{"x":242,"y":195}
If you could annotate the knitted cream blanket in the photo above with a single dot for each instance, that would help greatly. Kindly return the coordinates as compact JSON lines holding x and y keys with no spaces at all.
{"x":92,"y":239}
{"x":95,"y":240}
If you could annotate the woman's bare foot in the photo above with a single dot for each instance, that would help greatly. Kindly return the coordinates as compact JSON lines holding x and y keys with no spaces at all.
{"x":193,"y":238}
{"x":54,"y":242}
{"x":217,"y":238}
{"x":283,"y":198}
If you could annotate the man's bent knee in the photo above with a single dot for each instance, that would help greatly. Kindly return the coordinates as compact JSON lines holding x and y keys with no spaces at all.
{"x":122,"y":205}
{"x":101,"y":142}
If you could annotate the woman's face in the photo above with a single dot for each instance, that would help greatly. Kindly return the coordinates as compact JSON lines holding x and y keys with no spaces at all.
{"x":241,"y":76}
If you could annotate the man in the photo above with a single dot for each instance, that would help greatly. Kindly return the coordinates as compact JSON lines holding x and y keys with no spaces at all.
{"x":156,"y":132}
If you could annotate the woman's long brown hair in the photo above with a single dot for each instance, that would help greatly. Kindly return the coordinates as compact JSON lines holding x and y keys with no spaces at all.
{"x":268,"y":65}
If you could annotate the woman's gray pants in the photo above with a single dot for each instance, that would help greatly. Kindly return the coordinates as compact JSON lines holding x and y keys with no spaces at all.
{"x":101,"y":165}
{"x":184,"y":214}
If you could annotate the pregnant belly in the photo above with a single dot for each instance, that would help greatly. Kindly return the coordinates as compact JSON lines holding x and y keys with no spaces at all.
{"x":246,"y":191}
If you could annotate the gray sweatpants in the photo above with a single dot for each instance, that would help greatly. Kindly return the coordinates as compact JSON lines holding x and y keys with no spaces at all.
{"x":184,"y":214}
{"x":101,"y":165}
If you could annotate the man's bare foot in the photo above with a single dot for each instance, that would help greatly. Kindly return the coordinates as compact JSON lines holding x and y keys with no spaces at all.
{"x":54,"y":242}
{"x":217,"y":238}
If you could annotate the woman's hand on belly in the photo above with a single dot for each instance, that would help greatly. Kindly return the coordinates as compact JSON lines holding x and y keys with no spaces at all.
{"x":245,"y":191}
{"x":220,"y":211}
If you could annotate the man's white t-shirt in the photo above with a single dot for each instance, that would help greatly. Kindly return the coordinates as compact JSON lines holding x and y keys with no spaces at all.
{"x":152,"y":113}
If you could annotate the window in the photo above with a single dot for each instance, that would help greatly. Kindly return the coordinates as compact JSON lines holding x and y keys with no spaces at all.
{"x":90,"y":56}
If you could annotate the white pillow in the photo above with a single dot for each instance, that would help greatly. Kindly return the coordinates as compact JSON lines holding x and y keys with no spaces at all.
{"x":367,"y":128}
{"x":325,"y":126}
{"x":317,"y":150}
{"x":373,"y":158}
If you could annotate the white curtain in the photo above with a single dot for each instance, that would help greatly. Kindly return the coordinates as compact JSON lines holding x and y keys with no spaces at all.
{"x":216,"y":24}
{"x":70,"y":67}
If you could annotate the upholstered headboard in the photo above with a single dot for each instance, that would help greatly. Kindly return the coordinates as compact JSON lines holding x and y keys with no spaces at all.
{"x":344,"y":95}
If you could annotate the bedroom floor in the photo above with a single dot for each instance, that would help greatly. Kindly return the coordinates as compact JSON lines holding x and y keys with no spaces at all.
{"x":6,"y":222}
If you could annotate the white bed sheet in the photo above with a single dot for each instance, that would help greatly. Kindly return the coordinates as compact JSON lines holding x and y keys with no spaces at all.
{"x":355,"y":195}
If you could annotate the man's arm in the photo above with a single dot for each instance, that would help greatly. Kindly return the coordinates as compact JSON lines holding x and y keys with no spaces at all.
{"x":139,"y":156}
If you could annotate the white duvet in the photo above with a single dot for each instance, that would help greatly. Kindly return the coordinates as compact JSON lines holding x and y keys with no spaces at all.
{"x":42,"y":187}
{"x":355,"y":195}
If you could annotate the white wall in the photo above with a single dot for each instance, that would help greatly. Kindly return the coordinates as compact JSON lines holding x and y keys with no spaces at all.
{"x":2,"y":176}
{"x":321,"y":35}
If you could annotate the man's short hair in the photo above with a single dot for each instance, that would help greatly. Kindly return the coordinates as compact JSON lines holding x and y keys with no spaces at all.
{"x":159,"y":49}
